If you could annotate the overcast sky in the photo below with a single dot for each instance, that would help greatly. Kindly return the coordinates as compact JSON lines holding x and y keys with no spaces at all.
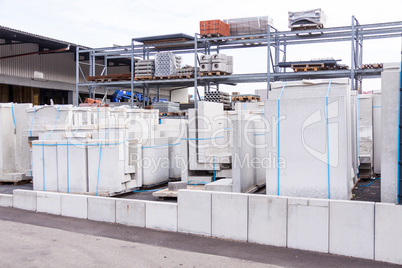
{"x":103,"y":23}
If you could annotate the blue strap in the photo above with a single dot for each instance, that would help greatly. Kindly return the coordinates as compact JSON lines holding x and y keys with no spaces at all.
{"x":202,"y":139}
{"x":278,"y":139}
{"x":163,"y":145}
{"x":213,"y":167}
{"x":12,"y":111}
{"x":259,"y":134}
{"x":262,"y":113}
{"x":377,"y":106}
{"x":100,"y":158}
{"x":32,"y":120}
{"x":328,"y":166}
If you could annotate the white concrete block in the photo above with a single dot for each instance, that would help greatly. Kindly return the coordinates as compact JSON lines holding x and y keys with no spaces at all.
{"x":229,"y":215}
{"x":222,"y":185}
{"x":23,"y":199}
{"x":388,"y":233}
{"x":308,"y":224}
{"x":377,"y":131}
{"x":161,"y":215}
{"x":351,"y":228}
{"x":194,"y":212}
{"x":73,"y":205}
{"x":130,"y":212}
{"x":48,"y":203}
{"x":102,"y":209}
{"x":44,"y":167}
{"x":6,"y":200}
{"x":267,"y":218}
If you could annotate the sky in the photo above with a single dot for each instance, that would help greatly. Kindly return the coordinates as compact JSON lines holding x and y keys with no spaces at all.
{"x":101,"y":23}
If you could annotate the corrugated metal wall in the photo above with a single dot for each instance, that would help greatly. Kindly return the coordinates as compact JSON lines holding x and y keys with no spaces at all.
{"x":58,"y":67}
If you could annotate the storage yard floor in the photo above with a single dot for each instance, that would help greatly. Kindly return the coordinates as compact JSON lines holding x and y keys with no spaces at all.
{"x":45,"y":240}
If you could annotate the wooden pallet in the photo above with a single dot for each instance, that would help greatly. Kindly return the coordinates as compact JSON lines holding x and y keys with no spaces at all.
{"x":308,"y":67}
{"x":372,"y":66}
{"x":109,"y":77}
{"x":303,"y":27}
{"x":245,"y":98}
{"x":213,"y":73}
{"x":172,"y":113}
{"x":16,"y":183}
{"x":144,"y":78}
{"x":212,"y":35}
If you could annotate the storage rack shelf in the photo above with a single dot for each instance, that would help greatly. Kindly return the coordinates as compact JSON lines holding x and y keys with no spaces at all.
{"x":278,"y":42}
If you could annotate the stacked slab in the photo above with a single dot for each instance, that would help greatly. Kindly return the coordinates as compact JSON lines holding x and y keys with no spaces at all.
{"x":166,"y":64}
{"x":308,"y":18}
{"x":185,"y":71}
{"x":144,"y":68}
{"x":216,"y":63}
{"x":219,"y":97}
{"x":309,"y":139}
{"x":166,"y":106}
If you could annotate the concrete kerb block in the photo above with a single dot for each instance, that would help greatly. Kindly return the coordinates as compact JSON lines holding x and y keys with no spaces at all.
{"x":388,"y":233}
{"x":267,"y":219}
{"x":6,"y":200}
{"x":194,"y":212}
{"x":74,"y":205}
{"x":351,"y":228}
{"x":48,"y":202}
{"x":130,"y":212}
{"x":101,"y":209}
{"x":159,"y":215}
{"x":308,"y":224}
{"x":230,"y":215}
{"x":24,"y":199}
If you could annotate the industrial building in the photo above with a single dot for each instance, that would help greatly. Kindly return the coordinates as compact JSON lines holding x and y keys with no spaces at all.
{"x":121,"y":123}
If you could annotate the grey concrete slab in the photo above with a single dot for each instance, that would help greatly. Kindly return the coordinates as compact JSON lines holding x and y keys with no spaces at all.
{"x":101,"y":209}
{"x":23,"y":199}
{"x":130,"y":212}
{"x":48,"y":202}
{"x":160,"y":215}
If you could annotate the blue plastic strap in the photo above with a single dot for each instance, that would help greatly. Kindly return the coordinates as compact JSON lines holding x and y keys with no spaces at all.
{"x":213,"y":166}
{"x":32,"y":120}
{"x":262,"y":114}
{"x":12,"y":112}
{"x":278,"y":139}
{"x":328,"y":166}
{"x":259,"y":134}
{"x":43,"y":167}
{"x":163,"y":145}
{"x":100,"y":158}
{"x":201,"y":139}
{"x":377,"y":106}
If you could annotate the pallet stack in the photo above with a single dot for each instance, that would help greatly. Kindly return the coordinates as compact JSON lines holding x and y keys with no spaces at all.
{"x":214,"y":28}
{"x":247,"y":26}
{"x":217,"y":63}
{"x":144,"y":68}
{"x":166,"y":106}
{"x":185,"y":71}
{"x":166,"y":64}
{"x":310,"y":19}
{"x":219,"y":97}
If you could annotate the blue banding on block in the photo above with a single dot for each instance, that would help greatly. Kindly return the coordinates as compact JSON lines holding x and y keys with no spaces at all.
{"x":12,"y":111}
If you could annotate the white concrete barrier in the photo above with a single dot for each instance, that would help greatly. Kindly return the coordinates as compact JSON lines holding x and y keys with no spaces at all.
{"x":388,"y":233}
{"x":6,"y":200}
{"x":308,"y":224}
{"x":194,"y":212}
{"x":102,"y":209}
{"x":24,"y":199}
{"x":130,"y":212}
{"x":267,"y":218}
{"x":229,"y":215}
{"x":161,"y":215}
{"x":48,"y":202}
{"x":351,"y":228}
{"x":73,"y":205}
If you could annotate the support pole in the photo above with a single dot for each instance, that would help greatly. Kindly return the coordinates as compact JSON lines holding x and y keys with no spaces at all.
{"x":77,"y":73}
{"x":195,"y":71}
{"x":132,"y":75}
{"x":268,"y":60}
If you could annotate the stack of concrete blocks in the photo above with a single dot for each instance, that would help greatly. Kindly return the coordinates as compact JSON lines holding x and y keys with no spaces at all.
{"x":222,"y":63}
{"x":166,"y":64}
{"x":166,"y":106}
{"x":365,"y":136}
{"x":300,"y":135}
{"x":219,"y":97}
{"x":309,"y":18}
{"x":144,"y":68}
{"x":205,"y":63}
{"x":389,"y":131}
{"x":186,"y":71}
{"x":247,"y":26}
{"x":14,"y":147}
{"x":206,"y":144}
{"x":377,"y":132}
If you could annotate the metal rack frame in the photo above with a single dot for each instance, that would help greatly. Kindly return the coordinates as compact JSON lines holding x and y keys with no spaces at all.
{"x":278,"y":41}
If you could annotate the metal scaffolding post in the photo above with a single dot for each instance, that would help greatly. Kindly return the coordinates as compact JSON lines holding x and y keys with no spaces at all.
{"x":132,"y":74}
{"x":195,"y":70}
{"x":77,"y":75}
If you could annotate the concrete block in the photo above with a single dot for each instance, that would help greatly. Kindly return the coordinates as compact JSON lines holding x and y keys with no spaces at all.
{"x":351,"y":228}
{"x":101,"y":209}
{"x":177,"y":185}
{"x":194,"y":212}
{"x":388,"y":233}
{"x":6,"y":200}
{"x":308,"y":224}
{"x":229,"y":215}
{"x":130,"y":212}
{"x":160,"y":215}
{"x":73,"y":205}
{"x":48,"y":203}
{"x":223,"y":185}
{"x":23,"y":199}
{"x":200,"y":179}
{"x":377,"y":131}
{"x":267,"y":218}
